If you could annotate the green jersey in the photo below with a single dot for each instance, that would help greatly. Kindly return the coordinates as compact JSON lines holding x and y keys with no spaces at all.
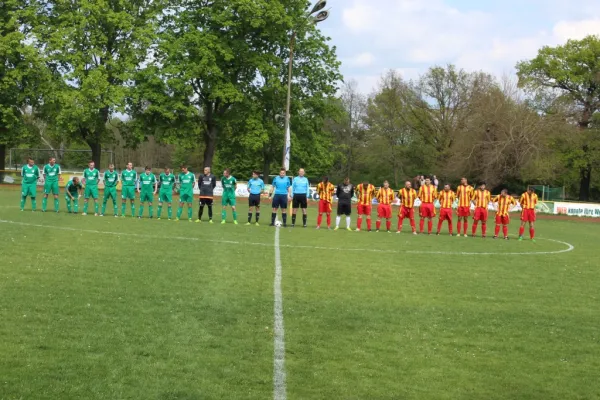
{"x":128,"y":178}
{"x":111,"y":179}
{"x":186,"y":182}
{"x":30,"y":174}
{"x":51,"y":173}
{"x":147,"y":182}
{"x":73,"y":188}
{"x":166,"y":182}
{"x":91,"y":176}
{"x":228,"y":186}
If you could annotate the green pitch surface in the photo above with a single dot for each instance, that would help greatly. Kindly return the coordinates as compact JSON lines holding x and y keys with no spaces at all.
{"x":107,"y":308}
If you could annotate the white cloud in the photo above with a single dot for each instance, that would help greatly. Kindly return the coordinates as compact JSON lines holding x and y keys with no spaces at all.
{"x":565,"y":30}
{"x":361,"y":60}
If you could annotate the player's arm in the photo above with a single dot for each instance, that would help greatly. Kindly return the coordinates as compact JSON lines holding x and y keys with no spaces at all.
{"x":213,"y":182}
{"x":289,"y":189}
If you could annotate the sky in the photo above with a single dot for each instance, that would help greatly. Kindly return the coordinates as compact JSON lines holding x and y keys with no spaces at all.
{"x":409,"y":36}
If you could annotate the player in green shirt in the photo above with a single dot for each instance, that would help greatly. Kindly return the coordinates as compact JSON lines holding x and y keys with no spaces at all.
{"x":165,"y":195}
{"x":186,"y":192}
{"x":111,"y":179}
{"x":228,"y":198}
{"x":147,"y":190}
{"x":91,"y":176}
{"x":30,"y":174}
{"x":51,"y":173}
{"x":128,"y":182}
{"x":73,"y":193}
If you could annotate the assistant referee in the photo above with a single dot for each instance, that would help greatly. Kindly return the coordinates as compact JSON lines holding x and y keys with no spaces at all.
{"x":300,"y":192}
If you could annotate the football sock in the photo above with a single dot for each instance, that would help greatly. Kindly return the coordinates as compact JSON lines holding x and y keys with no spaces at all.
{"x":439,"y":228}
{"x":76,"y":206}
{"x":497,"y":230}
{"x":378,"y":224}
{"x":33,"y":204}
{"x":505,"y":230}
{"x":319,"y":219}
{"x":141,"y":212}
{"x":273,"y":217}
{"x":44,"y":203}
{"x":23,"y":202}
{"x":56,"y":205}
{"x":200,"y":211}
{"x":304,"y":219}
{"x":483,"y":229}
{"x":458,"y":227}
{"x":151,"y":210}
{"x":421,"y":225}
{"x":179,"y":211}
{"x":132,"y":210}
{"x":337,"y":221}
{"x":158,"y":211}
{"x":249,"y":217}
{"x":223,"y":215}
{"x":465,"y":227}
{"x":358,"y":222}
{"x":347,"y":222}
{"x":209,"y":212}
{"x":531,"y":233}
{"x":284,"y":218}
{"x":400,"y":220}
{"x":450,"y":227}
{"x":388,"y":224}
{"x":68,"y":205}
{"x":413,"y":225}
{"x":328,"y":220}
{"x":234,"y":215}
{"x":429,"y":226}
{"x":96,"y":207}
{"x":257,"y":216}
{"x":369,"y":223}
{"x":123,"y":207}
{"x":190,"y":212}
{"x":85,"y":207}
{"x":170,"y":211}
{"x":103,"y":207}
{"x":474,"y":228}
{"x":521,"y":231}
{"x":293,"y":219}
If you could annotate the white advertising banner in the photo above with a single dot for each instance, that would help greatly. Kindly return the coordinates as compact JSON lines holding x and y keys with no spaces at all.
{"x":577,"y":209}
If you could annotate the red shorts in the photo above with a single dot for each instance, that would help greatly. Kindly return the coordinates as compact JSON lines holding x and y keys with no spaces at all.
{"x":481,"y":214}
{"x":427,"y":210}
{"x":384,"y":211}
{"x":324,"y":206}
{"x":446,"y":214}
{"x":406,"y":212}
{"x":362,"y":209}
{"x":464,"y":211}
{"x":528,"y":215}
{"x":502,"y":219}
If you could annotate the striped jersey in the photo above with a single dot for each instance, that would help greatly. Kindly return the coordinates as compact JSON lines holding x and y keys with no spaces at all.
{"x":505,"y":203}
{"x":385,"y":196}
{"x":528,"y":201}
{"x":482,"y":198}
{"x":464,"y":194}
{"x":427,"y":193}
{"x":325,"y":191}
{"x":365,"y":194}
{"x":446,"y":198}
{"x":407,"y":197}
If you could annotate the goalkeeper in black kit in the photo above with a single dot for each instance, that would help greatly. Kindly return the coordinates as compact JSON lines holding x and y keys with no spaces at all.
{"x":344,"y":193}
{"x":206,"y":184}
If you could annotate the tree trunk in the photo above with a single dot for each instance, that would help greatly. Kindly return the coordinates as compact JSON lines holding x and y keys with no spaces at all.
{"x":210,"y":141}
{"x":2,"y":161}
{"x":96,"y":152}
{"x":585,"y":174}
{"x":266,"y":170}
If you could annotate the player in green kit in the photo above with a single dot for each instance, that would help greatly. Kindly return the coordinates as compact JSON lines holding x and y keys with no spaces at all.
{"x":111,"y":179}
{"x":128,"y":182}
{"x":30,"y":174}
{"x":165,"y":195}
{"x":73,"y":193}
{"x":147,"y":190}
{"x":51,"y":173}
{"x":92,"y":177}
{"x":228,"y":198}
{"x":186,"y":192}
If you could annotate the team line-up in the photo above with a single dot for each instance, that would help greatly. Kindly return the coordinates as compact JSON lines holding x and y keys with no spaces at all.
{"x":283,"y":190}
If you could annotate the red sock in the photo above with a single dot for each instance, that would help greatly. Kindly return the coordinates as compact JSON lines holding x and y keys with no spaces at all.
{"x":429,"y":226}
{"x":412,"y":225}
{"x":388,"y":224}
{"x":505,"y":230}
{"x":474,"y":228}
{"x":450,"y":226}
{"x":400,"y":221}
{"x":532,"y":232}
{"x":377,"y":224}
{"x":465,"y":227}
{"x":439,"y":226}
{"x":369,"y":223}
{"x":319,"y":219}
{"x":458,"y":227}
{"x":497,"y":230}
{"x":483,"y":229}
{"x":521,"y":231}
{"x":328,"y":220}
{"x":358,"y":222}
{"x":421,"y":225}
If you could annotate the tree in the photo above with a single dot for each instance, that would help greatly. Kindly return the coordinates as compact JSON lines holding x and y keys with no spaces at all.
{"x":572,"y":70}
{"x":94,"y":49}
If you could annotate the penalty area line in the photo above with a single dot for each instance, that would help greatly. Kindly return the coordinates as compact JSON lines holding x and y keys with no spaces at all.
{"x":569,"y":247}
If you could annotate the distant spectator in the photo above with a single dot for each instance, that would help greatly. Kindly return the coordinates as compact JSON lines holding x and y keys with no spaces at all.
{"x":422,"y":180}
{"x":417,"y":182}
{"x":435,"y":181}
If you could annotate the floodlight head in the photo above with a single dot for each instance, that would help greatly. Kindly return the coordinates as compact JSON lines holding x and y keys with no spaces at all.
{"x":321,"y":16}
{"x":318,"y":7}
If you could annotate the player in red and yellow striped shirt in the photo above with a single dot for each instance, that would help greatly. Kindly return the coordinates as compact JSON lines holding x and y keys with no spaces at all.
{"x":427,"y":194}
{"x":446,"y":198}
{"x":385,"y":198}
{"x":481,"y":198}
{"x":407,"y":197}
{"x":325,"y":191}
{"x":365,"y":193}
{"x":504,"y":203}
{"x":528,"y":202}
{"x":464,"y":194}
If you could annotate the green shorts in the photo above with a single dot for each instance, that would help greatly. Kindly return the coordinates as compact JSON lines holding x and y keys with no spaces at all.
{"x":110,"y":192}
{"x":228,"y":201}
{"x":165,"y":197}
{"x":186,"y":197}
{"x":90,"y":191}
{"x":128,"y":193}
{"x":51,"y":188}
{"x":147,"y":197}
{"x":29,"y":189}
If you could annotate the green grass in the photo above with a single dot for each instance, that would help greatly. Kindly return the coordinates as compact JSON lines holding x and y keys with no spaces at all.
{"x":105,"y":308}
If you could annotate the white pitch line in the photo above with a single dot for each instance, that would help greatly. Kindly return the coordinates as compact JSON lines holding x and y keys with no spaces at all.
{"x":279,"y":387}
{"x":569,"y":247}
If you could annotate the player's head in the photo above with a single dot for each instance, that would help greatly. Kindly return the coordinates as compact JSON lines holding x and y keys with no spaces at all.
{"x":325,"y":179}
{"x":129,"y":166}
{"x":91,"y":164}
{"x":365,"y":183}
{"x":463,"y":181}
{"x":147,"y":169}
{"x":447,"y":187}
{"x":167,"y":170}
{"x":255,"y":174}
{"x":346,"y":181}
{"x":529,"y":189}
{"x":184,"y":169}
{"x":482,"y":185}
{"x":111,"y":167}
{"x":407,"y":184}
{"x":282,"y":172}
{"x":301,"y":172}
{"x":428,"y":181}
{"x":206,"y":170}
{"x":504,"y":193}
{"x":75,"y":180}
{"x":227,"y":172}
{"x":52,"y":161}
{"x":30,"y":162}
{"x":386,"y":184}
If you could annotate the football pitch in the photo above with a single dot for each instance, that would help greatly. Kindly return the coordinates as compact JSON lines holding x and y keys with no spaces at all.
{"x":107,"y":308}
